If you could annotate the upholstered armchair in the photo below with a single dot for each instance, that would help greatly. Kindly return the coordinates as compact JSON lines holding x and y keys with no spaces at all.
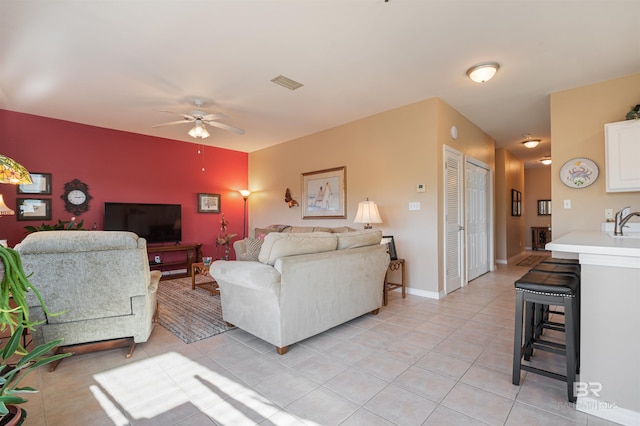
{"x":99,"y":279}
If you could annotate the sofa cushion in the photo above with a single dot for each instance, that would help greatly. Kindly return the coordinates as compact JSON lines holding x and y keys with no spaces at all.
{"x":262,"y":232}
{"x":253,"y":246}
{"x":279,"y":244}
{"x":355,"y":239}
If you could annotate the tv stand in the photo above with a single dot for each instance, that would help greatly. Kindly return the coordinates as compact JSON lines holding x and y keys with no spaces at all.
{"x":191,"y":253}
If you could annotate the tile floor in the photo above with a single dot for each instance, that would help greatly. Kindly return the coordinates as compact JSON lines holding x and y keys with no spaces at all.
{"x":419,"y":362}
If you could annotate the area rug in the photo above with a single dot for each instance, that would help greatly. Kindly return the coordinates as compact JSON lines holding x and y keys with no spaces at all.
{"x":531,"y":260}
{"x":191,"y":315}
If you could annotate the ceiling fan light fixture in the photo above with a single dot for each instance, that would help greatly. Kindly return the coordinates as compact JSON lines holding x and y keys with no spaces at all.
{"x":531,"y":143}
{"x":199,"y":131}
{"x":483,"y":72}
{"x":546,"y":161}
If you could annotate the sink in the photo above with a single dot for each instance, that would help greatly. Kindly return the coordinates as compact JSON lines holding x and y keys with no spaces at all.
{"x":626,"y":235}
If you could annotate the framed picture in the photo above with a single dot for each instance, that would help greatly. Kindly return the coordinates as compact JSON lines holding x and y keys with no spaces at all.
{"x":516,"y":203}
{"x":544,"y":207}
{"x":208,"y":203}
{"x":324,"y":194}
{"x":391,"y":246}
{"x":31,"y":209}
{"x":41,"y":185}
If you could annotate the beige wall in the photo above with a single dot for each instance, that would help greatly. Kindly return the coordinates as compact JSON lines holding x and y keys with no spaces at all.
{"x":577,"y":130}
{"x":386,"y":156}
{"x":537,"y":186}
{"x":509,"y":229}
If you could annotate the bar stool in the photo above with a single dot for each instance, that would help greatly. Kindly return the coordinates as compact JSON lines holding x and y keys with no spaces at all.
{"x":557,"y":261}
{"x":546,"y":289}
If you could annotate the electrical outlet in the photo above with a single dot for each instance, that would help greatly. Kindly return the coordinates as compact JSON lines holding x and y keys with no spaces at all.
{"x":608,"y":215}
{"x":567,"y":204}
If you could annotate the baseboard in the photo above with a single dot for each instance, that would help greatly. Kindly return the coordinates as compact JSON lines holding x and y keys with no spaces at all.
{"x":608,"y":411}
{"x":425,"y":293}
{"x":501,"y":261}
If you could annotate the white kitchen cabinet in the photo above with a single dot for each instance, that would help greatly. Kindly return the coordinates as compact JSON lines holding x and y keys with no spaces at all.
{"x":622,"y":156}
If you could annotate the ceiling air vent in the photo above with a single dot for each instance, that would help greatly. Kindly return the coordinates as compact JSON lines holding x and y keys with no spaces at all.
{"x":286,"y":82}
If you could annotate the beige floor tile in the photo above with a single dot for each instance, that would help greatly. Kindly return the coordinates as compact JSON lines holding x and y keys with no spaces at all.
{"x":349,"y":353}
{"x":364,"y":417}
{"x":320,"y":368}
{"x":444,"y":365}
{"x":459,"y":349}
{"x":491,"y":380}
{"x":425,"y":383}
{"x":478,"y":404}
{"x":400,"y":406}
{"x":286,"y":387}
{"x":382,"y":366}
{"x":356,"y":385}
{"x":523,"y":414}
{"x":323,"y":407}
{"x":443,"y":416}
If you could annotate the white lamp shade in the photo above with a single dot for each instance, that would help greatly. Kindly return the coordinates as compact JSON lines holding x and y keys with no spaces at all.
{"x":199,"y":131}
{"x":367,"y":213}
{"x":532,"y":143}
{"x":4,"y":210}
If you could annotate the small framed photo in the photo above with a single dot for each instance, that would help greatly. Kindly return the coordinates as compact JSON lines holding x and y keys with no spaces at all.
{"x":208,"y":203}
{"x":324,"y":194}
{"x":391,"y":246}
{"x":41,"y":185}
{"x":516,"y":203}
{"x":31,"y":209}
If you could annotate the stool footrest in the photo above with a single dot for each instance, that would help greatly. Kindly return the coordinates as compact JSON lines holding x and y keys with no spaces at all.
{"x":546,"y":373}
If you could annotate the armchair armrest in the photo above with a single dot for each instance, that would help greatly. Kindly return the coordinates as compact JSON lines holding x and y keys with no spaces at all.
{"x":154,"y":280}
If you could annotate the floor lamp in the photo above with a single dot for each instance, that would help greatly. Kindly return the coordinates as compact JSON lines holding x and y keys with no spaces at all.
{"x":245,"y":194}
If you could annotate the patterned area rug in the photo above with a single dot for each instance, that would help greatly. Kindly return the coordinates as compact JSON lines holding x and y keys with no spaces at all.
{"x":531,"y":260}
{"x":191,"y":315}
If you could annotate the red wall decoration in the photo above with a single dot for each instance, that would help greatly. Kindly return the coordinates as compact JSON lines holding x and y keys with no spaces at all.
{"x":123,"y":167}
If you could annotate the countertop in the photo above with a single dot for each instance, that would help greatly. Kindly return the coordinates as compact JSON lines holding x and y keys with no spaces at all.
{"x":599,"y":248}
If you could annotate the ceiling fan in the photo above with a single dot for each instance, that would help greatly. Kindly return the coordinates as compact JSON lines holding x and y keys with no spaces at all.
{"x":200,"y":118}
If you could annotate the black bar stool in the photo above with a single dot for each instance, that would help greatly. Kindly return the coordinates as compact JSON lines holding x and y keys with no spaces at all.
{"x":546,"y":289}
{"x":557,"y":261}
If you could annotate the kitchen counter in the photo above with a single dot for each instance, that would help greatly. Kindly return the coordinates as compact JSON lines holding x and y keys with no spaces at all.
{"x":609,"y":384}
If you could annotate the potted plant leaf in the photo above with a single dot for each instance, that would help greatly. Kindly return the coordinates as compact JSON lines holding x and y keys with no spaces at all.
{"x":15,"y":360}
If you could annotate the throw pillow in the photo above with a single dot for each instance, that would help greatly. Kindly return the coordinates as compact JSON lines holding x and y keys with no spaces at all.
{"x":254,"y":245}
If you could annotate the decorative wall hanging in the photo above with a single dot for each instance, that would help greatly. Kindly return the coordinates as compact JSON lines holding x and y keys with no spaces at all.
{"x":324,"y":194}
{"x":76,"y":197}
{"x":579,"y":172}
{"x":516,"y":203}
{"x":41,"y":185}
{"x":31,"y":209}
{"x":208,"y":203}
{"x":289,"y":200}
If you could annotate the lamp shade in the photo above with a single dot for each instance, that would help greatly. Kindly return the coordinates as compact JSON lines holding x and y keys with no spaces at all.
{"x":546,"y":161}
{"x":367,"y":213}
{"x":199,"y":131}
{"x":244,"y":192}
{"x":531,"y":143}
{"x":13,"y":172}
{"x":4,"y":210}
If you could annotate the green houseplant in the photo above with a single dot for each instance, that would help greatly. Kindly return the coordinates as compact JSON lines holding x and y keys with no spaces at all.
{"x":15,"y":361}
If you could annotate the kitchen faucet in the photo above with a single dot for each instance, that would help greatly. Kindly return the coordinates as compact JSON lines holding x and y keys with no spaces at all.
{"x":622,"y":217}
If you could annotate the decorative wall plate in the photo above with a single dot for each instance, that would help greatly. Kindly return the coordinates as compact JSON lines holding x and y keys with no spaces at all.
{"x":579,"y":172}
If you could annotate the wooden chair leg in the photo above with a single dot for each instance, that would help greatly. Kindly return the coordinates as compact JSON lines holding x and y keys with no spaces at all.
{"x":375,"y":311}
{"x":156,"y":313}
{"x":229,"y":324}
{"x":83,"y":348}
{"x":282,"y":350}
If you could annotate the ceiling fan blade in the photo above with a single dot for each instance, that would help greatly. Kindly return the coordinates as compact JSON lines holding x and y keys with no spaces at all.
{"x":171,"y":123}
{"x":186,"y":116}
{"x":225,"y":127}
{"x":214,"y":116}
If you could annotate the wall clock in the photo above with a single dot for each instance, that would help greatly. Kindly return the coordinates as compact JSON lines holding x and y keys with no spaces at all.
{"x":76,"y":197}
{"x":579,"y":172}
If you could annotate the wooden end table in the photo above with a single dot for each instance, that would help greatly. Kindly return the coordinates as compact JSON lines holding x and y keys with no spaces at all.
{"x":199,"y":268}
{"x":388,"y":286}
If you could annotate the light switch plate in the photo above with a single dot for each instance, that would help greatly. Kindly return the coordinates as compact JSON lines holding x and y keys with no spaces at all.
{"x":414,"y":205}
{"x":567,"y":204}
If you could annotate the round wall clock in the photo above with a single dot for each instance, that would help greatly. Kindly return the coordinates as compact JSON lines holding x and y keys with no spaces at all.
{"x":76,"y":197}
{"x":579,"y":172}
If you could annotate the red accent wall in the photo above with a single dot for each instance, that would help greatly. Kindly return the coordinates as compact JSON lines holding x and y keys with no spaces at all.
{"x":123,"y":167}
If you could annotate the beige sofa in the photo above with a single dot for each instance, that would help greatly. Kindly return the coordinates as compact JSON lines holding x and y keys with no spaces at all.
{"x":100,"y":279}
{"x":303,"y":284}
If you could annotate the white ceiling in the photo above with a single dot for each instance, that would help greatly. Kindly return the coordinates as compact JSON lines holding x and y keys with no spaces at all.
{"x":116,"y":64}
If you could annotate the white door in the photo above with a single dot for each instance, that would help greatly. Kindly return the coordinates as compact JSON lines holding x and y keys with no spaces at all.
{"x":477,"y":220}
{"x":454,"y":241}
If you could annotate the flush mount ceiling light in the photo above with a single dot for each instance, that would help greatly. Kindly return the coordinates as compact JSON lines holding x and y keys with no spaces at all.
{"x":531,"y":143}
{"x":546,"y":161}
{"x":483,"y":72}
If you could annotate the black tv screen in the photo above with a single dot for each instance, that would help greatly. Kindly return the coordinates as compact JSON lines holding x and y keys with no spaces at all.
{"x":157,"y":223}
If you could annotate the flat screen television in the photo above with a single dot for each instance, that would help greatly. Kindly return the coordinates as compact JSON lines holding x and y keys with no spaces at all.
{"x":157,"y":223}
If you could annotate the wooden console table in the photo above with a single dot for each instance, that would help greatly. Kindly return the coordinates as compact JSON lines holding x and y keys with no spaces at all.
{"x":191,"y":254}
{"x":540,"y":236}
{"x":395,"y":265}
